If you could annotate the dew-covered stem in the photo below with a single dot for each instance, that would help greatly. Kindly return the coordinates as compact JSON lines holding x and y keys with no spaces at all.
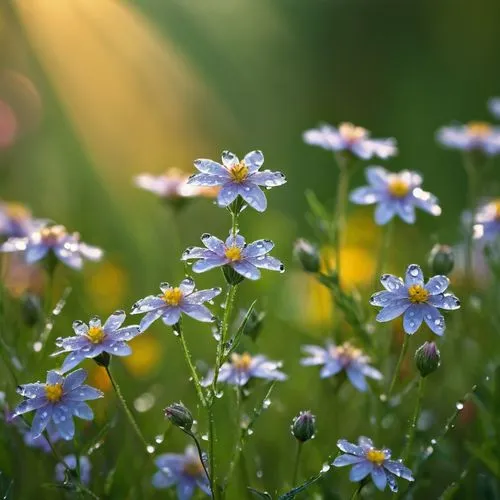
{"x":296,"y":465}
{"x":397,"y":368}
{"x":414,"y":420}
{"x":127,"y":410}
{"x":211,"y":448}
{"x":189,"y":361}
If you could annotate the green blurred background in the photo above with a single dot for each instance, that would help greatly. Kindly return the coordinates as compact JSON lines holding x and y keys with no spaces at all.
{"x":104,"y":90}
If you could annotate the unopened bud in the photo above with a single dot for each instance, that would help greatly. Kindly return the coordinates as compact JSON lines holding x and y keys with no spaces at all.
{"x":179,"y":415}
{"x":308,"y":255}
{"x":304,"y":426}
{"x":441,"y":259}
{"x":427,"y":358}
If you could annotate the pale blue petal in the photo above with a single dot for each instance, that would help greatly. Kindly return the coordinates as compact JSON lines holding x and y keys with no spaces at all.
{"x":394,"y":284}
{"x":406,"y":211}
{"x":360,"y":471}
{"x":268,"y":178}
{"x":393,"y":310}
{"x":414,"y":275}
{"x":253,"y":195}
{"x":210,"y":167}
{"x":30,"y":404}
{"x":434,"y":319}
{"x":356,"y":378}
{"x":381,"y":299}
{"x":127,"y":333}
{"x":229,"y":159}
{"x":187,"y":286}
{"x":350,"y":448}
{"x":227,"y":194}
{"x":413,"y":317}
{"x":446,"y":301}
{"x":206,"y":264}
{"x":34,"y":253}
{"x":72,"y":360}
{"x":198,"y":312}
{"x":74,"y":380}
{"x":318,"y":355}
{"x":185,"y":489}
{"x":437,"y":285}
{"x":254,"y":160}
{"x":379,"y":478}
{"x":377,"y":177}
{"x":398,"y":469}
{"x":149,"y":318}
{"x":84,"y":393}
{"x":213,"y":243}
{"x":82,"y":410}
{"x":258,"y":248}
{"x":114,"y":321}
{"x":171,"y":315}
{"x":119,"y":348}
{"x":365,"y":195}
{"x":202,"y":296}
{"x":384,"y":212}
{"x":343,"y":460}
{"x":41,"y":420}
{"x":332,"y":367}
{"x":246,"y":269}
{"x":267,"y":262}
{"x":207,"y":180}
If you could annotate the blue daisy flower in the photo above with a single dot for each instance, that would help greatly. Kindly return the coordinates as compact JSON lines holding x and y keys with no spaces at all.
{"x":70,"y":460}
{"x":395,"y":194}
{"x":474,"y":136}
{"x":416,"y":301}
{"x":487,"y":221}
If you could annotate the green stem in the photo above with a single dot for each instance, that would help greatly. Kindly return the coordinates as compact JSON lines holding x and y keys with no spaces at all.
{"x":414,"y":420}
{"x":339,"y":215}
{"x":238,"y":447}
{"x":402,"y":354}
{"x":200,"y":454}
{"x":211,"y":447}
{"x":357,"y":491}
{"x":297,"y":463}
{"x":189,"y":361}
{"x":127,"y":410}
{"x":383,"y":252}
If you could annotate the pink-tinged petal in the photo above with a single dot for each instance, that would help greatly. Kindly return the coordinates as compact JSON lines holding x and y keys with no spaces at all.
{"x":246,"y":269}
{"x":268,"y":178}
{"x":393,"y":310}
{"x":206,"y":264}
{"x":437,"y":285}
{"x":114,"y":321}
{"x":414,"y":275}
{"x":365,"y":195}
{"x":254,"y":160}
{"x":379,"y":478}
{"x":384,"y":212}
{"x":187,"y":286}
{"x":343,"y":460}
{"x":434,"y":319}
{"x":413,"y":317}
{"x":267,"y":262}
{"x":229,"y":159}
{"x":198,"y":312}
{"x":203,"y":296}
{"x":210,"y":167}
{"x":207,"y":180}
{"x":213,"y":243}
{"x":253,"y":195}
{"x":258,"y":248}
{"x":227,"y":194}
{"x":360,"y":471}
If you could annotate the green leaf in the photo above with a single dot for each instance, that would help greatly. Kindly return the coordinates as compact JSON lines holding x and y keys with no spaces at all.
{"x":259,"y":494}
{"x":233,"y":344}
{"x":96,"y":442}
{"x":299,"y":489}
{"x":485,"y":456}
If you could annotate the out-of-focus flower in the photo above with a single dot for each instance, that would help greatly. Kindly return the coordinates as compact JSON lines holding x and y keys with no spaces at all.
{"x":395,"y":194}
{"x":237,"y":178}
{"x":16,"y":220}
{"x":173,"y":186}
{"x":441,"y":259}
{"x":107,"y":285}
{"x":427,"y":358}
{"x":304,"y":426}
{"x":94,"y":339}
{"x":487,"y":221}
{"x":416,"y":301}
{"x":40,"y":441}
{"x":146,"y":356}
{"x":185,"y":471}
{"x":348,"y":137}
{"x":368,"y":460}
{"x":72,"y":463}
{"x":494,"y":106}
{"x":20,"y":277}
{"x":235,"y":253}
{"x":176,"y":300}
{"x":179,"y":415}
{"x":475,"y":136}
{"x":8,"y":126}
{"x":67,"y":247}
{"x":100,"y":379}
{"x":242,"y":367}
{"x":346,"y":358}
{"x":308,"y":255}
{"x":59,"y":399}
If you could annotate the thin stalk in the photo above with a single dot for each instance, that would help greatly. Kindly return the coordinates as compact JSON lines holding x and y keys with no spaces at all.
{"x":339,"y":215}
{"x":357,"y":491}
{"x":297,"y":463}
{"x":238,"y":447}
{"x":127,"y":410}
{"x":211,"y":448}
{"x":472,"y":195}
{"x":383,"y":252}
{"x":189,"y":361}
{"x":414,"y":420}
{"x":402,"y":354}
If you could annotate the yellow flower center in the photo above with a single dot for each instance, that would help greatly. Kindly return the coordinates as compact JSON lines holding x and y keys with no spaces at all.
{"x":233,"y":253}
{"x":241,"y":362}
{"x":348,"y":351}
{"x":96,"y":334}
{"x":52,"y":234}
{"x":17,"y":211}
{"x":398,"y":187}
{"x":496,"y":209}
{"x":193,"y":468}
{"x":172,"y":296}
{"x":479,"y":129}
{"x":377,"y":457}
{"x":418,"y":294}
{"x":54,"y":392}
{"x":239,"y":172}
{"x":351,"y":133}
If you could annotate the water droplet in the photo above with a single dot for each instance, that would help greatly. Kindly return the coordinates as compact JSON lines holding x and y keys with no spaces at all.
{"x":266,"y":403}
{"x":204,"y":437}
{"x":459,"y":406}
{"x":325,"y":468}
{"x":37,"y":346}
{"x":383,"y":398}
{"x":414,"y":271}
{"x":150,"y":449}
{"x":159,"y":438}
{"x":249,"y":432}
{"x":219,"y":395}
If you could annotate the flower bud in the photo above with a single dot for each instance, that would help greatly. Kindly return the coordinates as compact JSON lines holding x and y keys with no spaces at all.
{"x":179,"y":415}
{"x":427,"y":358}
{"x":31,"y":309}
{"x":304,"y":426}
{"x":254,"y":323}
{"x":308,"y":255}
{"x":441,"y":259}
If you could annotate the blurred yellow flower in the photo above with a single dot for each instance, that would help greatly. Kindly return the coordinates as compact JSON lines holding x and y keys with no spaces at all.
{"x":106,"y":286}
{"x":99,"y":378}
{"x":146,"y":354}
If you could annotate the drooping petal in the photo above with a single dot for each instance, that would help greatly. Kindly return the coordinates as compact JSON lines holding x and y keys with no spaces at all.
{"x":268,"y":178}
{"x":254,"y":160}
{"x":69,"y":257}
{"x":227,"y":194}
{"x":365,"y":195}
{"x":211,"y":167}
{"x":350,"y":448}
{"x":384,"y":212}
{"x":203,"y":265}
{"x":446,"y":301}
{"x":360,"y":471}
{"x":357,"y":378}
{"x":379,"y":478}
{"x":413,"y":317}
{"x":114,"y":321}
{"x":84,"y":393}
{"x":66,"y":427}
{"x":207,"y":180}
{"x":170,"y":315}
{"x":343,"y":460}
{"x":161,"y":480}
{"x":71,"y":360}
{"x":437,"y":285}
{"x":203,"y":296}
{"x":332,"y":367}
{"x":253,"y":195}
{"x":434,"y":319}
{"x":185,"y":488}
{"x":267,"y":262}
{"x":426,"y":201}
{"x":258,"y":248}
{"x":391,"y":481}
{"x":74,"y":379}
{"x":246,"y":269}
{"x":41,"y":419}
{"x":393,"y":310}
{"x":414,"y":275}
{"x":198,"y":312}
